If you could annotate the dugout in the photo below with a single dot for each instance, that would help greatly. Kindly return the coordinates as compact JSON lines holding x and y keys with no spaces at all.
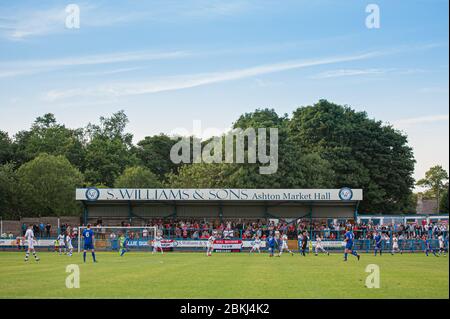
{"x":113,"y":205}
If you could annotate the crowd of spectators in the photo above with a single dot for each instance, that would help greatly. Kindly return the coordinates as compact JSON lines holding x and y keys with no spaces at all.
{"x":366,"y":230}
{"x":40,"y":230}
{"x":192,"y":228}
{"x":328,"y":229}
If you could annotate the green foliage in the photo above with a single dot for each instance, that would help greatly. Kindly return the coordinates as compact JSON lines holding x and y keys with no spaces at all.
{"x":202,"y":175}
{"x":154,"y":153}
{"x":321,"y":146}
{"x":8,"y":192}
{"x":261,"y":118}
{"x":106,"y":159}
{"x":443,"y":204}
{"x":47,"y":136}
{"x":435,"y":180}
{"x":137,"y":177}
{"x":6,"y":148}
{"x":411,"y":204}
{"x":295,"y":169}
{"x":47,"y":185}
{"x":362,"y":152}
{"x":109,"y":151}
{"x":111,"y":128}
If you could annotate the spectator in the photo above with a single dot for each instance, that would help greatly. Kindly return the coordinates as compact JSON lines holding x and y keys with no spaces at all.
{"x":35,"y":229}
{"x":103,"y":232}
{"x":47,"y":229}
{"x":63,"y":228}
{"x":41,"y":229}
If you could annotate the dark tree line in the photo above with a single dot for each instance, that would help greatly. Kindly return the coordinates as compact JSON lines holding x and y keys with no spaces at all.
{"x":320,"y":146}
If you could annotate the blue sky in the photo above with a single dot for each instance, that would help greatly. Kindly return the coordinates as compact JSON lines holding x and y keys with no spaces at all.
{"x":167,"y":63}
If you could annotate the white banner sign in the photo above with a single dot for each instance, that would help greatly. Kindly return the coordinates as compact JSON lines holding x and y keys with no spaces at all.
{"x":190,"y":243}
{"x":226,"y":194}
{"x":37,"y":243}
{"x":227,"y":244}
{"x":330,"y":243}
{"x":251,"y":243}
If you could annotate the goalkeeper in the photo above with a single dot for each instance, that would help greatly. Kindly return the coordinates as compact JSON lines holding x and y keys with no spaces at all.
{"x":123,"y":243}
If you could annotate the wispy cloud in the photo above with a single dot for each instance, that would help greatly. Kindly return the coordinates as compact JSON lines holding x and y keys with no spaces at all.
{"x":348,"y":72}
{"x":30,"y":22}
{"x":108,"y":72}
{"x":365,"y":72}
{"x":27,"y":23}
{"x":408,"y":122}
{"x":16,"y":68}
{"x":13,"y":73}
{"x":194,"y":80}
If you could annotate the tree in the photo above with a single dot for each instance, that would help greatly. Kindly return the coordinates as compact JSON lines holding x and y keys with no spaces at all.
{"x":443,"y":207}
{"x":202,"y":175}
{"x":411,"y":207}
{"x":109,"y":151}
{"x":295,"y":169}
{"x":154,"y":153}
{"x":137,"y":177}
{"x":47,"y":184}
{"x":363,"y":153}
{"x":105,"y":160}
{"x":6,"y":148}
{"x":8,"y":191}
{"x":324,"y":145}
{"x":47,"y":136}
{"x":111,"y":128}
{"x":261,"y":118}
{"x":247,"y":175}
{"x":435,"y":182}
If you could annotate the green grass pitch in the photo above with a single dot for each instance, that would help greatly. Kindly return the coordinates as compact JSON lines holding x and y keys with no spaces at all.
{"x":237,"y":275}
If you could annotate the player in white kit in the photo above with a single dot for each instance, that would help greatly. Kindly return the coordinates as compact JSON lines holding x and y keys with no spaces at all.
{"x":319,"y":247}
{"x":29,"y":237}
{"x":157,"y":243}
{"x":210,"y":244}
{"x":395,"y":247}
{"x":442,"y":244}
{"x":62,"y":243}
{"x":284,"y":245}
{"x":256,"y":245}
{"x":69,"y":245}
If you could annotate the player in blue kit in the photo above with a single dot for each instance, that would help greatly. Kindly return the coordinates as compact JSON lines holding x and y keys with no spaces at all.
{"x":88,"y":236}
{"x":271,"y":243}
{"x":378,"y":242}
{"x":428,"y":246}
{"x":349,"y":236}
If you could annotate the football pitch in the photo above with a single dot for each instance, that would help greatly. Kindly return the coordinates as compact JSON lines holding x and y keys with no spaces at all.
{"x":238,"y":275}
